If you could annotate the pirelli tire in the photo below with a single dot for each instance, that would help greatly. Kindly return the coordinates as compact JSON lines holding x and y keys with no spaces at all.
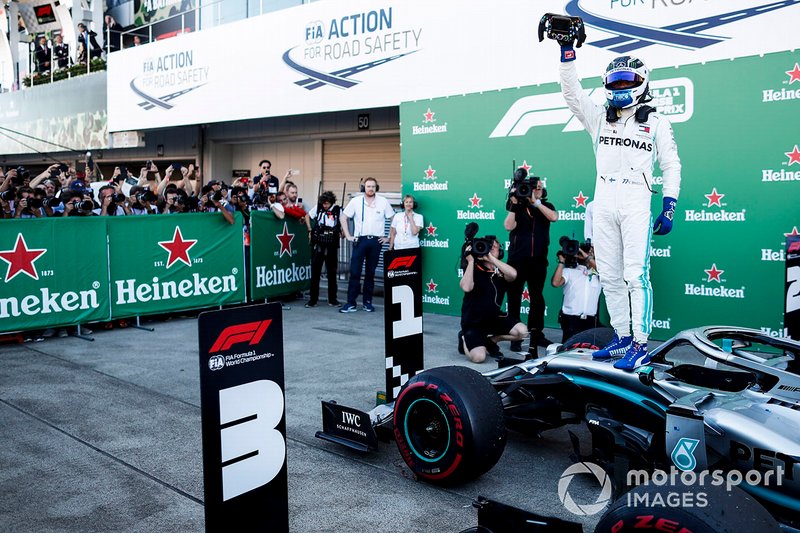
{"x":591,"y":339}
{"x":448,"y":425}
{"x":679,"y":507}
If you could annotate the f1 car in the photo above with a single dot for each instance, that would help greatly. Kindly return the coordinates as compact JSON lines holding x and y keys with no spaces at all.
{"x":713,"y":399}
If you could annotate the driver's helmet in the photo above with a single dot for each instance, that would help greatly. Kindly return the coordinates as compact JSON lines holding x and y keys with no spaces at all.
{"x":620,"y":74}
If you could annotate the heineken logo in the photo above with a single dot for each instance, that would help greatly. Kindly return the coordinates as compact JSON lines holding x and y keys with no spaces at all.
{"x":281,"y":276}
{"x":580,"y":200}
{"x":178,"y":248}
{"x":793,"y":158}
{"x":714,"y":199}
{"x":474,"y":203}
{"x":131,"y":292}
{"x":773,"y":255}
{"x":773,"y":95}
{"x":285,"y":239}
{"x":48,"y":302}
{"x":431,"y":230}
{"x":526,"y":296}
{"x":428,"y":242}
{"x":713,"y":274}
{"x":436,"y":300}
{"x":429,"y":125}
{"x":430,"y":174}
{"x":21,"y":259}
{"x":432,"y":286}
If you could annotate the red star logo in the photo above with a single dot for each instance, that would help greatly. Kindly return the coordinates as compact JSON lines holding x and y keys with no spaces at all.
{"x":526,"y":166}
{"x":21,"y":259}
{"x":475,"y":201}
{"x":526,"y":296}
{"x":794,"y":74}
{"x":432,"y":286}
{"x":793,"y":233}
{"x":429,"y":174}
{"x":431,"y":230}
{"x":580,"y":200}
{"x":429,"y":115}
{"x":714,"y":198}
{"x":794,"y":156}
{"x":714,"y":274}
{"x":178,"y":248}
{"x":286,"y":241}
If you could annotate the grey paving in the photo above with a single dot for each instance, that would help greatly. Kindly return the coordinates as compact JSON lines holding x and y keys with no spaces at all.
{"x":105,"y":435}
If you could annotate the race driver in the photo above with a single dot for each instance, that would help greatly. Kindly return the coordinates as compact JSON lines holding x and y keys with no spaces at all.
{"x":628,"y":137}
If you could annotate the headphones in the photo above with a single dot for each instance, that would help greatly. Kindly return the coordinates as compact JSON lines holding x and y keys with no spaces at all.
{"x":415,"y":206}
{"x":377,"y":185}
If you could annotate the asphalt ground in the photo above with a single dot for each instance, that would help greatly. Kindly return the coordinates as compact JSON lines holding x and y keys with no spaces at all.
{"x":106,"y":435}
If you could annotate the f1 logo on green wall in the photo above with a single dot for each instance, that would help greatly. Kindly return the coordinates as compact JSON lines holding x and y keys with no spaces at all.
{"x":673,"y":98}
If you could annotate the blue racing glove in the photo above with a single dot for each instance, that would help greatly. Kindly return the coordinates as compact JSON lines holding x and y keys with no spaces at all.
{"x":663,"y":223}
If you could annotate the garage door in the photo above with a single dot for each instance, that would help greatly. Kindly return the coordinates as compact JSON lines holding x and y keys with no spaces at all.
{"x":346,"y":161}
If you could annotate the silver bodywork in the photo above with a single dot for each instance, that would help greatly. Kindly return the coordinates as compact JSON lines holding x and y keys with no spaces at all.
{"x":741,"y":407}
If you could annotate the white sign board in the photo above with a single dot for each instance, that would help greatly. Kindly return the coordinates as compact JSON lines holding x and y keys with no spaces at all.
{"x":331,"y":56}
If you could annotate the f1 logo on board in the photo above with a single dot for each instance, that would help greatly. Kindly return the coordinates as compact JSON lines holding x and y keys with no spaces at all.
{"x":251,"y":333}
{"x":400,"y":262}
{"x":673,"y":98}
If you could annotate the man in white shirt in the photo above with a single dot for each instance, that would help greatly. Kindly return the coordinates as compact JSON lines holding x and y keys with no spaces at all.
{"x":369,"y":212}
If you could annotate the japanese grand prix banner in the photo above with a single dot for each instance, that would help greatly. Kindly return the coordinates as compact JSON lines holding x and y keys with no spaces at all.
{"x":51,"y":275}
{"x":739,"y":145}
{"x":280,"y":256}
{"x":174,"y":262}
{"x":332,"y":56}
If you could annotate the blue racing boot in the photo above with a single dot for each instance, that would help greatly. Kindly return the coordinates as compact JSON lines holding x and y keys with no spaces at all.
{"x":617,"y":346}
{"x":635,"y":357}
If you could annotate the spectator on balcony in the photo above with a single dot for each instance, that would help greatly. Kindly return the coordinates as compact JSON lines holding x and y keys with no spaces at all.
{"x":87,"y":40}
{"x":61,"y":52}
{"x":42,"y":54}
{"x":112,"y":33}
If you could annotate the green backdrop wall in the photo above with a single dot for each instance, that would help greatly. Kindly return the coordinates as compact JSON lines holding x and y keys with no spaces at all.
{"x":736,"y":125}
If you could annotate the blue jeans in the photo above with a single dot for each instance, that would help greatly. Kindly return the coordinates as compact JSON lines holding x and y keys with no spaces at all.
{"x":368,"y":250}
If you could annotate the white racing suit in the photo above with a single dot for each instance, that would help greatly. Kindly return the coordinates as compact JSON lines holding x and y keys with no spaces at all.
{"x":625,"y":152}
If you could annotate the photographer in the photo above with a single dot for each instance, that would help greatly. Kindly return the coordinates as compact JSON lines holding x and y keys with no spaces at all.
{"x":212,"y":201}
{"x":325,"y":237}
{"x":173,"y":201}
{"x":576,"y":271}
{"x":143,"y":201}
{"x":528,"y":221}
{"x":484,"y":283}
{"x":112,"y":202}
{"x":26,"y":205}
{"x":77,"y":204}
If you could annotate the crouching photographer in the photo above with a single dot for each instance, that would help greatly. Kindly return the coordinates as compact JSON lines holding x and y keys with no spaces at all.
{"x":485,"y":281}
{"x":576,"y":272}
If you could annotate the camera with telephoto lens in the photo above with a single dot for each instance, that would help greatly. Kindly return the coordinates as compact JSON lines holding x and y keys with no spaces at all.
{"x":479,"y":246}
{"x":192,"y":203}
{"x":570,"y":248}
{"x":521,"y":186}
{"x":51,"y":202}
{"x":117,"y":198}
{"x":146,"y":196}
{"x":34,"y":203}
{"x":9,"y":195}
{"x":85,"y":206}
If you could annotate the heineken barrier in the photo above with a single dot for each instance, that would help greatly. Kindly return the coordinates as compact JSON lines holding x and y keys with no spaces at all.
{"x":738,"y":142}
{"x":66,"y":271}
{"x":280,"y":256}
{"x":170,"y":263}
{"x":54,"y":272}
